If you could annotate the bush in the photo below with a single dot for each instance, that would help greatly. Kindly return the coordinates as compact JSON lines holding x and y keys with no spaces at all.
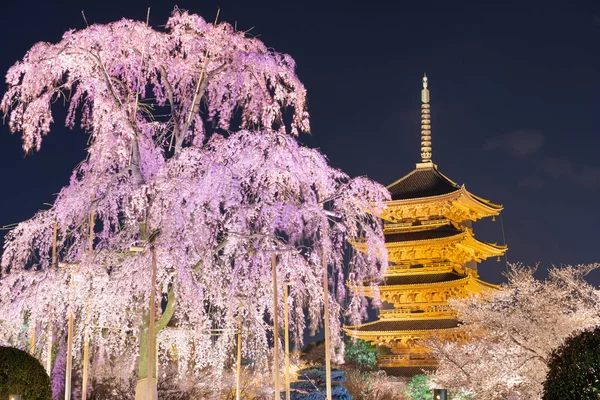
{"x":311,"y":384}
{"x":22,"y":374}
{"x":360,"y":355}
{"x":574,"y":368}
{"x":418,"y":388}
{"x":373,"y":385}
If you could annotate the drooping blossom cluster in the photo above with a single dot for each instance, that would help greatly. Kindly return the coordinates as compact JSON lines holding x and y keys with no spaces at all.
{"x":512,"y":332}
{"x":189,"y":160}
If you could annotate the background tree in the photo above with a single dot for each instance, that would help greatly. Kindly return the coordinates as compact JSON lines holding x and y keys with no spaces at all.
{"x":574,"y":368}
{"x":512,"y":331}
{"x":173,"y":169}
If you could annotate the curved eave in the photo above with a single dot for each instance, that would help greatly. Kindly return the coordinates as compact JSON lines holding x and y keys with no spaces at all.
{"x":464,"y":238}
{"x":461,"y":197}
{"x":351,"y":330}
{"x":428,"y":199}
{"x":491,"y":249}
{"x":486,"y":285}
{"x":491,"y":208}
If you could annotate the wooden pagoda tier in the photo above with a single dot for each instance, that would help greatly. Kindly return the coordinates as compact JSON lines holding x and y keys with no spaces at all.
{"x":433,"y":257}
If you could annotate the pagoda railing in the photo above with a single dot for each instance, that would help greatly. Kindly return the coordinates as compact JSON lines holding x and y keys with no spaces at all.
{"x":434,"y":311}
{"x":421,"y":359}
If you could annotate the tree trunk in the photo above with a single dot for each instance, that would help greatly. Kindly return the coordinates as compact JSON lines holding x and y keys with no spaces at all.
{"x":141,"y":389}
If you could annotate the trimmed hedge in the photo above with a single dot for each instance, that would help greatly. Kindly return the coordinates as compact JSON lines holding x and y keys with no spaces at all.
{"x":574,"y":368}
{"x":22,"y":374}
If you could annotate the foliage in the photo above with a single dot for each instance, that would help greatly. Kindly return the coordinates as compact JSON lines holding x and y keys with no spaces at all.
{"x":574,"y":368}
{"x":512,"y":331}
{"x":314,"y":352}
{"x":418,"y":388}
{"x":190,"y":161}
{"x":373,"y":385}
{"x":311,"y":384}
{"x":22,"y":374}
{"x":361,"y":355}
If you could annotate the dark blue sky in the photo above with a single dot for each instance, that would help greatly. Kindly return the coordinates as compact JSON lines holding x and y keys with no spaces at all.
{"x":514,"y":94}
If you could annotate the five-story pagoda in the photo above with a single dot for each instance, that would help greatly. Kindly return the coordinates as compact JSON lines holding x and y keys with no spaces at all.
{"x":433,"y":257}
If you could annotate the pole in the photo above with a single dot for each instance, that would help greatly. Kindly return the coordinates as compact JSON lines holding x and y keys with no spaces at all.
{"x":49,"y":355}
{"x":86,"y":341}
{"x":151,"y":338}
{"x":275,"y":328}
{"x":70,"y":340}
{"x":326,"y":312}
{"x":54,"y":263}
{"x":55,"y":234}
{"x":287,"y":340}
{"x":238,"y":371}
{"x":86,"y":352}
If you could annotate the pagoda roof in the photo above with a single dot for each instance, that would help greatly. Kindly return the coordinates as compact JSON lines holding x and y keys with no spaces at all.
{"x":424,"y":181}
{"x":427,"y":183}
{"x":407,"y":325}
{"x":443,"y":231}
{"x":421,"y":279}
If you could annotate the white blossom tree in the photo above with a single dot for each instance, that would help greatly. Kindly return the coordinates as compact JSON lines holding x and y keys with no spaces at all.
{"x":512,"y":331}
{"x":191,"y":160}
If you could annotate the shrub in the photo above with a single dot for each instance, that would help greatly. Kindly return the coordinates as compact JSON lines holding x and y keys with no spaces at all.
{"x":574,"y":368}
{"x":360,"y":355}
{"x":22,"y":374}
{"x":311,"y":384}
{"x":418,"y":388}
{"x":373,"y":385}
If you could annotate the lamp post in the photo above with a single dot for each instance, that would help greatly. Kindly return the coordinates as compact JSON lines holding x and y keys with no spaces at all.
{"x":440,"y":394}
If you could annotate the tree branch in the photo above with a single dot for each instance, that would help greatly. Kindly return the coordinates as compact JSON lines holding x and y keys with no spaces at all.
{"x":198,"y":95}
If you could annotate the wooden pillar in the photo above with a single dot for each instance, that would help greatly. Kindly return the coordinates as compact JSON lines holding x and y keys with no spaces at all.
{"x":275,"y":328}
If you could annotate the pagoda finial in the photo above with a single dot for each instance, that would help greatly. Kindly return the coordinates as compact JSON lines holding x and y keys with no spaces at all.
{"x":425,"y":124}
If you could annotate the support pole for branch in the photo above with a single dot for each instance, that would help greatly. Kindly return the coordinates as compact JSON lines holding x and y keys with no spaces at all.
{"x":326,"y":312}
{"x":86,"y":340}
{"x":54,"y":263}
{"x":151,"y":337}
{"x":86,"y":352}
{"x":70,"y":340}
{"x":287,"y":340}
{"x":275,"y":328}
{"x":238,"y":371}
{"x":32,"y":340}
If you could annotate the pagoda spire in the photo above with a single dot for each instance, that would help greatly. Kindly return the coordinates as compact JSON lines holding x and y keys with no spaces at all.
{"x":425,"y":124}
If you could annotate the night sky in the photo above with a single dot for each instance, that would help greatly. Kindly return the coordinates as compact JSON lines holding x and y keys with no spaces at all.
{"x":514,"y":95}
